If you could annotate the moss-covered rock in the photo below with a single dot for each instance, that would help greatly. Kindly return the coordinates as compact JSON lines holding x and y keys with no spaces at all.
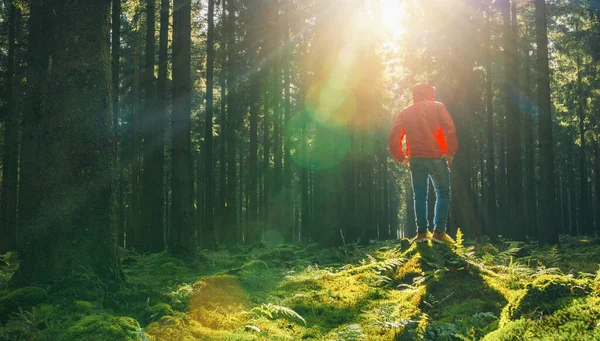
{"x":404,"y":244}
{"x":544,"y":295}
{"x":254,"y":265}
{"x":280,"y":253}
{"x":218,"y":302}
{"x":159,"y":310}
{"x":577,"y":320}
{"x":23,"y":298}
{"x":104,"y":327}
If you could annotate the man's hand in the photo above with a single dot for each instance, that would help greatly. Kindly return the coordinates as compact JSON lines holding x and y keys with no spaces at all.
{"x":448,"y":159}
{"x":406,"y":162}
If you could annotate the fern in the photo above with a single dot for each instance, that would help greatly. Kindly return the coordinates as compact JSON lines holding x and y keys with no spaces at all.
{"x":459,"y":238}
{"x":387,"y":317}
{"x":351,"y":332}
{"x":272,"y":311}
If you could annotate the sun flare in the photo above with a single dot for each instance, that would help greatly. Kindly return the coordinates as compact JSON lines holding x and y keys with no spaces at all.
{"x":392,"y":16}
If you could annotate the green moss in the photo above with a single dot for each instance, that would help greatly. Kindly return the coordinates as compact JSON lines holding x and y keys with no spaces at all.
{"x":458,"y":296}
{"x":171,"y":329}
{"x":254,"y":265}
{"x":577,"y":321}
{"x":104,"y":327}
{"x":159,"y":310}
{"x":22,"y":298}
{"x":545,"y":295}
{"x":218,"y":302}
{"x":83,"y":307}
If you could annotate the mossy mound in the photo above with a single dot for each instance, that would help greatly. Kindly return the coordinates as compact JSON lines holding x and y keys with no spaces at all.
{"x":218,"y":302}
{"x":579,"y":320}
{"x":104,"y":327}
{"x":546,"y":294}
{"x":158,"y":311}
{"x":255,"y":265}
{"x":22,"y":298}
{"x":182,"y":328}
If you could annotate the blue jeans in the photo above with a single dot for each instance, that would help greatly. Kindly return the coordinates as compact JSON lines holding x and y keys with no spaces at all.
{"x":421,"y":170}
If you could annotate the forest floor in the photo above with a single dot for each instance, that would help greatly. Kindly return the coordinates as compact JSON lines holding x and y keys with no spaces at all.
{"x":384,"y":291}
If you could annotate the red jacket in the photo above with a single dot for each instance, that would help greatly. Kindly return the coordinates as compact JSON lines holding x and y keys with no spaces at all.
{"x":429,"y":130}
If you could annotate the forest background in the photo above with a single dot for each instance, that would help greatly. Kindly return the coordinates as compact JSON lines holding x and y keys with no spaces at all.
{"x":195,"y":124}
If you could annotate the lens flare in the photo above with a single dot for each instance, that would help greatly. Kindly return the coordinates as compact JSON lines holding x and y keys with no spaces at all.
{"x":324,"y":152}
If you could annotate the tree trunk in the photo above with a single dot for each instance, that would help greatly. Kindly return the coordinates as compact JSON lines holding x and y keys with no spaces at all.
{"x":596,"y":199}
{"x":37,"y":60}
{"x":491,"y":157}
{"x":74,"y":237}
{"x":134,"y":232}
{"x":288,"y":201}
{"x":547,"y":191}
{"x":230,"y":227}
{"x":161,"y":110}
{"x":220,"y":209}
{"x":183,"y":238}
{"x":584,"y":220}
{"x":531,"y":184}
{"x":255,"y":94}
{"x":513,"y":124}
{"x":116,"y":55}
{"x":573,"y":231}
{"x":152,"y":198}
{"x":208,"y":236}
{"x":10,"y":161}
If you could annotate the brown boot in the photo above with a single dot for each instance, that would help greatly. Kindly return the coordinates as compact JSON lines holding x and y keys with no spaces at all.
{"x":442,"y":238}
{"x":421,"y":237}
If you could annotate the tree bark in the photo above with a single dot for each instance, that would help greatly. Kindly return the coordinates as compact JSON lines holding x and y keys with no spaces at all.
{"x":152,"y":198}
{"x":37,"y":60}
{"x":134,"y":232}
{"x":74,"y":225}
{"x":254,"y":99}
{"x":230,"y":232}
{"x":513,"y":124}
{"x":584,"y":219}
{"x":183,"y":237}
{"x":221,"y":209}
{"x":531,"y":183}
{"x":116,"y":55}
{"x":162,"y":108}
{"x":491,"y":157}
{"x":547,"y":192}
{"x":207,"y":236}
{"x":10,"y":160}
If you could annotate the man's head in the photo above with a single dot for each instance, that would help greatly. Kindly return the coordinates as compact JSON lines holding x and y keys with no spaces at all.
{"x":422,"y":92}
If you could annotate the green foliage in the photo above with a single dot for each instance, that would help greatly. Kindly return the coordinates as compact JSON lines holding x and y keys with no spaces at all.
{"x":275,"y":311}
{"x":8,"y":265}
{"x":459,"y":238}
{"x":453,"y":294}
{"x":159,"y":310}
{"x":28,"y":324}
{"x":544,"y":295}
{"x":104,"y":327}
{"x":83,"y":307}
{"x":22,"y":298}
{"x":353,"y":332}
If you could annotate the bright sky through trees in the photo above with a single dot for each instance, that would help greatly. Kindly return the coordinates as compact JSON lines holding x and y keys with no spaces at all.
{"x":392,"y":16}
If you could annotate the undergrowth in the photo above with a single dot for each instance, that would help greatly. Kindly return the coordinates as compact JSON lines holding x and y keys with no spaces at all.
{"x":386,"y":291}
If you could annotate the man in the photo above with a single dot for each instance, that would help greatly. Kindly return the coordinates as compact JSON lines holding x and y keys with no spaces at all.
{"x":430,"y":148}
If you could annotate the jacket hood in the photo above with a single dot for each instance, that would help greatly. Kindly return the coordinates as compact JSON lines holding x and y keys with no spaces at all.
{"x":423,"y":92}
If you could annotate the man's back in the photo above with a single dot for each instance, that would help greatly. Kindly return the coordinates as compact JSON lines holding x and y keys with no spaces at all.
{"x":429,"y":131}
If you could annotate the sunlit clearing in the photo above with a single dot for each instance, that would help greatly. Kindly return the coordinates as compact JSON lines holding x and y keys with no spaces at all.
{"x":392,"y":16}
